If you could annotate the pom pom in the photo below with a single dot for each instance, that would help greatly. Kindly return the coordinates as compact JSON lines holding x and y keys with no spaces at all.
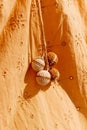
{"x":43,"y":77}
{"x":52,"y":58}
{"x":38,"y":64}
{"x":54,"y":74}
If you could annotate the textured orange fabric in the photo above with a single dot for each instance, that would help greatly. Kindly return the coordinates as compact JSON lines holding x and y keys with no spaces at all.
{"x":25,"y":105}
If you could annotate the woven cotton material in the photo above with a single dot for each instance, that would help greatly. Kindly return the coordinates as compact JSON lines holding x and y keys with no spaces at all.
{"x":24,"y":105}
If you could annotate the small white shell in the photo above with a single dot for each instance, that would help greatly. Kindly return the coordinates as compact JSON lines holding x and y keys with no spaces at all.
{"x":38,"y":64}
{"x":43,"y":77}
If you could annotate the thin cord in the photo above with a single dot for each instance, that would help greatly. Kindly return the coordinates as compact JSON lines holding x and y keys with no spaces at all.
{"x":44,"y":46}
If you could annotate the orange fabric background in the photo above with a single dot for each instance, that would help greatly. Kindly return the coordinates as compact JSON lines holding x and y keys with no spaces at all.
{"x":23,"y":103}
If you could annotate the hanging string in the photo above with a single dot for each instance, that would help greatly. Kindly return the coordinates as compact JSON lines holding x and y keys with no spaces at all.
{"x":44,"y":45}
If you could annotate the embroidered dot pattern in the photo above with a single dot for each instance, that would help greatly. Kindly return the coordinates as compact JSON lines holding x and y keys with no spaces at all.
{"x":21,"y":43}
{"x":71,"y":77}
{"x":9,"y":109}
{"x":1,"y":5}
{"x":17,"y":21}
{"x":20,"y":64}
{"x":78,"y":108}
{"x":63,"y":43}
{"x":78,"y":38}
{"x":5,"y":72}
{"x":32,"y":116}
{"x":1,"y":9}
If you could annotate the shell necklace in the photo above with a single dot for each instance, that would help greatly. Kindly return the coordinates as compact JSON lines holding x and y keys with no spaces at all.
{"x":43,"y":65}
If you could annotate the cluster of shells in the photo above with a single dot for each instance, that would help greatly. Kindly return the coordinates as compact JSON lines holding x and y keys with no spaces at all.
{"x":44,"y":76}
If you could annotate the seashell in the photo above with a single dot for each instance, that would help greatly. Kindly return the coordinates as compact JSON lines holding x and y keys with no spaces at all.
{"x":54,"y":74}
{"x":52,"y":58}
{"x":38,"y":64}
{"x":43,"y":77}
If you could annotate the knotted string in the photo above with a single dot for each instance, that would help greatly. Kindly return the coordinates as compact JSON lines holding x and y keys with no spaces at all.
{"x":44,"y":45}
